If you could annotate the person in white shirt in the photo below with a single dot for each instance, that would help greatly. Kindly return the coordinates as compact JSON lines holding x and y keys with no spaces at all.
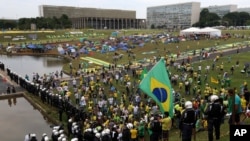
{"x":83,"y":102}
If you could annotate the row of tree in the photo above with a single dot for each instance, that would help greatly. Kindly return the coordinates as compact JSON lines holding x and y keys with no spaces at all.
{"x":230,"y":19}
{"x":40,"y":22}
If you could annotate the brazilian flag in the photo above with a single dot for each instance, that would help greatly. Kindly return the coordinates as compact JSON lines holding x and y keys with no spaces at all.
{"x":157,"y":85}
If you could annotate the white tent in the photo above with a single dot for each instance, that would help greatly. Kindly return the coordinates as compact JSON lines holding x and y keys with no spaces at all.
{"x":207,"y":30}
{"x":211,"y":31}
{"x":188,"y":31}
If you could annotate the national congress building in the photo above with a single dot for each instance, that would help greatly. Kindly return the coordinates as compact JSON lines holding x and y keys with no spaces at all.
{"x":94,"y":18}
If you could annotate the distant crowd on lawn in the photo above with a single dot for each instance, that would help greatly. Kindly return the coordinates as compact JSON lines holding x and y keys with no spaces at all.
{"x":96,"y":110}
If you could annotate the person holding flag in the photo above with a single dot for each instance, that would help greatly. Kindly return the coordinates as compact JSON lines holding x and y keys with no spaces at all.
{"x":156,"y":84}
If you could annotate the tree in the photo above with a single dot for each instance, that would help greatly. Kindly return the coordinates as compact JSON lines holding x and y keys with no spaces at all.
{"x":152,"y":26}
{"x":208,"y":19}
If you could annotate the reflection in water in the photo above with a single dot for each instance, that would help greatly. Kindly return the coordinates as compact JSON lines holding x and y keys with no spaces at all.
{"x":12,"y":101}
{"x":9,"y":102}
{"x":29,"y":64}
{"x":21,"y":118}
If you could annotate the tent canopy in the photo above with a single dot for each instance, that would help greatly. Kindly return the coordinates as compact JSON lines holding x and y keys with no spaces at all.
{"x":207,"y":30}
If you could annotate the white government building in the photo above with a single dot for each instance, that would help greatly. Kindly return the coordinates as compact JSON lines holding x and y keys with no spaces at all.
{"x":184,"y":15}
{"x":222,"y":9}
{"x":179,"y":16}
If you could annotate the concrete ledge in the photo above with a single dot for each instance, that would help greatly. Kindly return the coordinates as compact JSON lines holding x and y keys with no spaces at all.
{"x":6,"y":96}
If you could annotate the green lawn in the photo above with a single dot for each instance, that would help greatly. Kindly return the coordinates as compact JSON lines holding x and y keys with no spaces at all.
{"x":166,"y":49}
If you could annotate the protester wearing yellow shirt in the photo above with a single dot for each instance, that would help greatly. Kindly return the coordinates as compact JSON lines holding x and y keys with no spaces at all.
{"x":243,"y":102}
{"x":180,"y":85}
{"x":166,"y":123}
{"x":134,"y":133}
{"x":130,"y":108}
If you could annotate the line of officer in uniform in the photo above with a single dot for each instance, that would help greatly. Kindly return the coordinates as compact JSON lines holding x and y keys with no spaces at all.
{"x":47,"y":96}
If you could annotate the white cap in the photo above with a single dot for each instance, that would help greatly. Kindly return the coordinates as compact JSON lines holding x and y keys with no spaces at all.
{"x":64,"y":139}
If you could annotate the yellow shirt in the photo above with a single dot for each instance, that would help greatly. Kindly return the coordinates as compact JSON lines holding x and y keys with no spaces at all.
{"x":133,"y":133}
{"x":243,"y":103}
{"x":166,"y":123}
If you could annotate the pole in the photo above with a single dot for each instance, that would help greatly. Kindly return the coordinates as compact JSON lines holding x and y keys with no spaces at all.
{"x":233,"y":108}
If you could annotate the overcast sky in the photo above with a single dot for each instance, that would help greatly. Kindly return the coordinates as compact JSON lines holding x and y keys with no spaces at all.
{"x":14,"y":9}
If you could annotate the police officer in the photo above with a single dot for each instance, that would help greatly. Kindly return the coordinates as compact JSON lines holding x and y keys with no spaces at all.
{"x":214,"y":113}
{"x":187,"y":121}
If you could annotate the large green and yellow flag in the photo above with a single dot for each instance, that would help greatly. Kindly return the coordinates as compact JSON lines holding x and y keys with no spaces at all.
{"x":157,"y":85}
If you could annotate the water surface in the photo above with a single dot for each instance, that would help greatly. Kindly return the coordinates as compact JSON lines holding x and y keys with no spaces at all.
{"x":19,"y":117}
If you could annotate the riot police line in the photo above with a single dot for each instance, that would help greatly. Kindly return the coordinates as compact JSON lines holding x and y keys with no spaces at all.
{"x":61,"y":103}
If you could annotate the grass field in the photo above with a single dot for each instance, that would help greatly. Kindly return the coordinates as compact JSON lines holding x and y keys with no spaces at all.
{"x":161,"y":49}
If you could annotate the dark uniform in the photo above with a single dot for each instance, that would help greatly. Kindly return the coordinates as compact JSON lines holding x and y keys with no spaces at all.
{"x":187,"y":123}
{"x":214,"y":114}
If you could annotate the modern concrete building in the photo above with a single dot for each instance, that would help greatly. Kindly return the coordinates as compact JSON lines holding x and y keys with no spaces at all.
{"x":222,"y":9}
{"x":175,"y":16}
{"x":244,"y":10}
{"x":94,"y":17}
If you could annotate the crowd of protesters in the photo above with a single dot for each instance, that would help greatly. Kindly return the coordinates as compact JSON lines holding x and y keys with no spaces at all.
{"x":96,"y":110}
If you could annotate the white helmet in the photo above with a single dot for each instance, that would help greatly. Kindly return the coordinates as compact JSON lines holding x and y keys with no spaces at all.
{"x":188,"y":104}
{"x":98,"y":135}
{"x":61,"y":131}
{"x":107,"y":131}
{"x":64,"y":139}
{"x":103,"y":133}
{"x":74,"y":139}
{"x":46,"y":138}
{"x":213,"y":98}
{"x":130,"y":125}
{"x":44,"y":134}
{"x":95,"y":131}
